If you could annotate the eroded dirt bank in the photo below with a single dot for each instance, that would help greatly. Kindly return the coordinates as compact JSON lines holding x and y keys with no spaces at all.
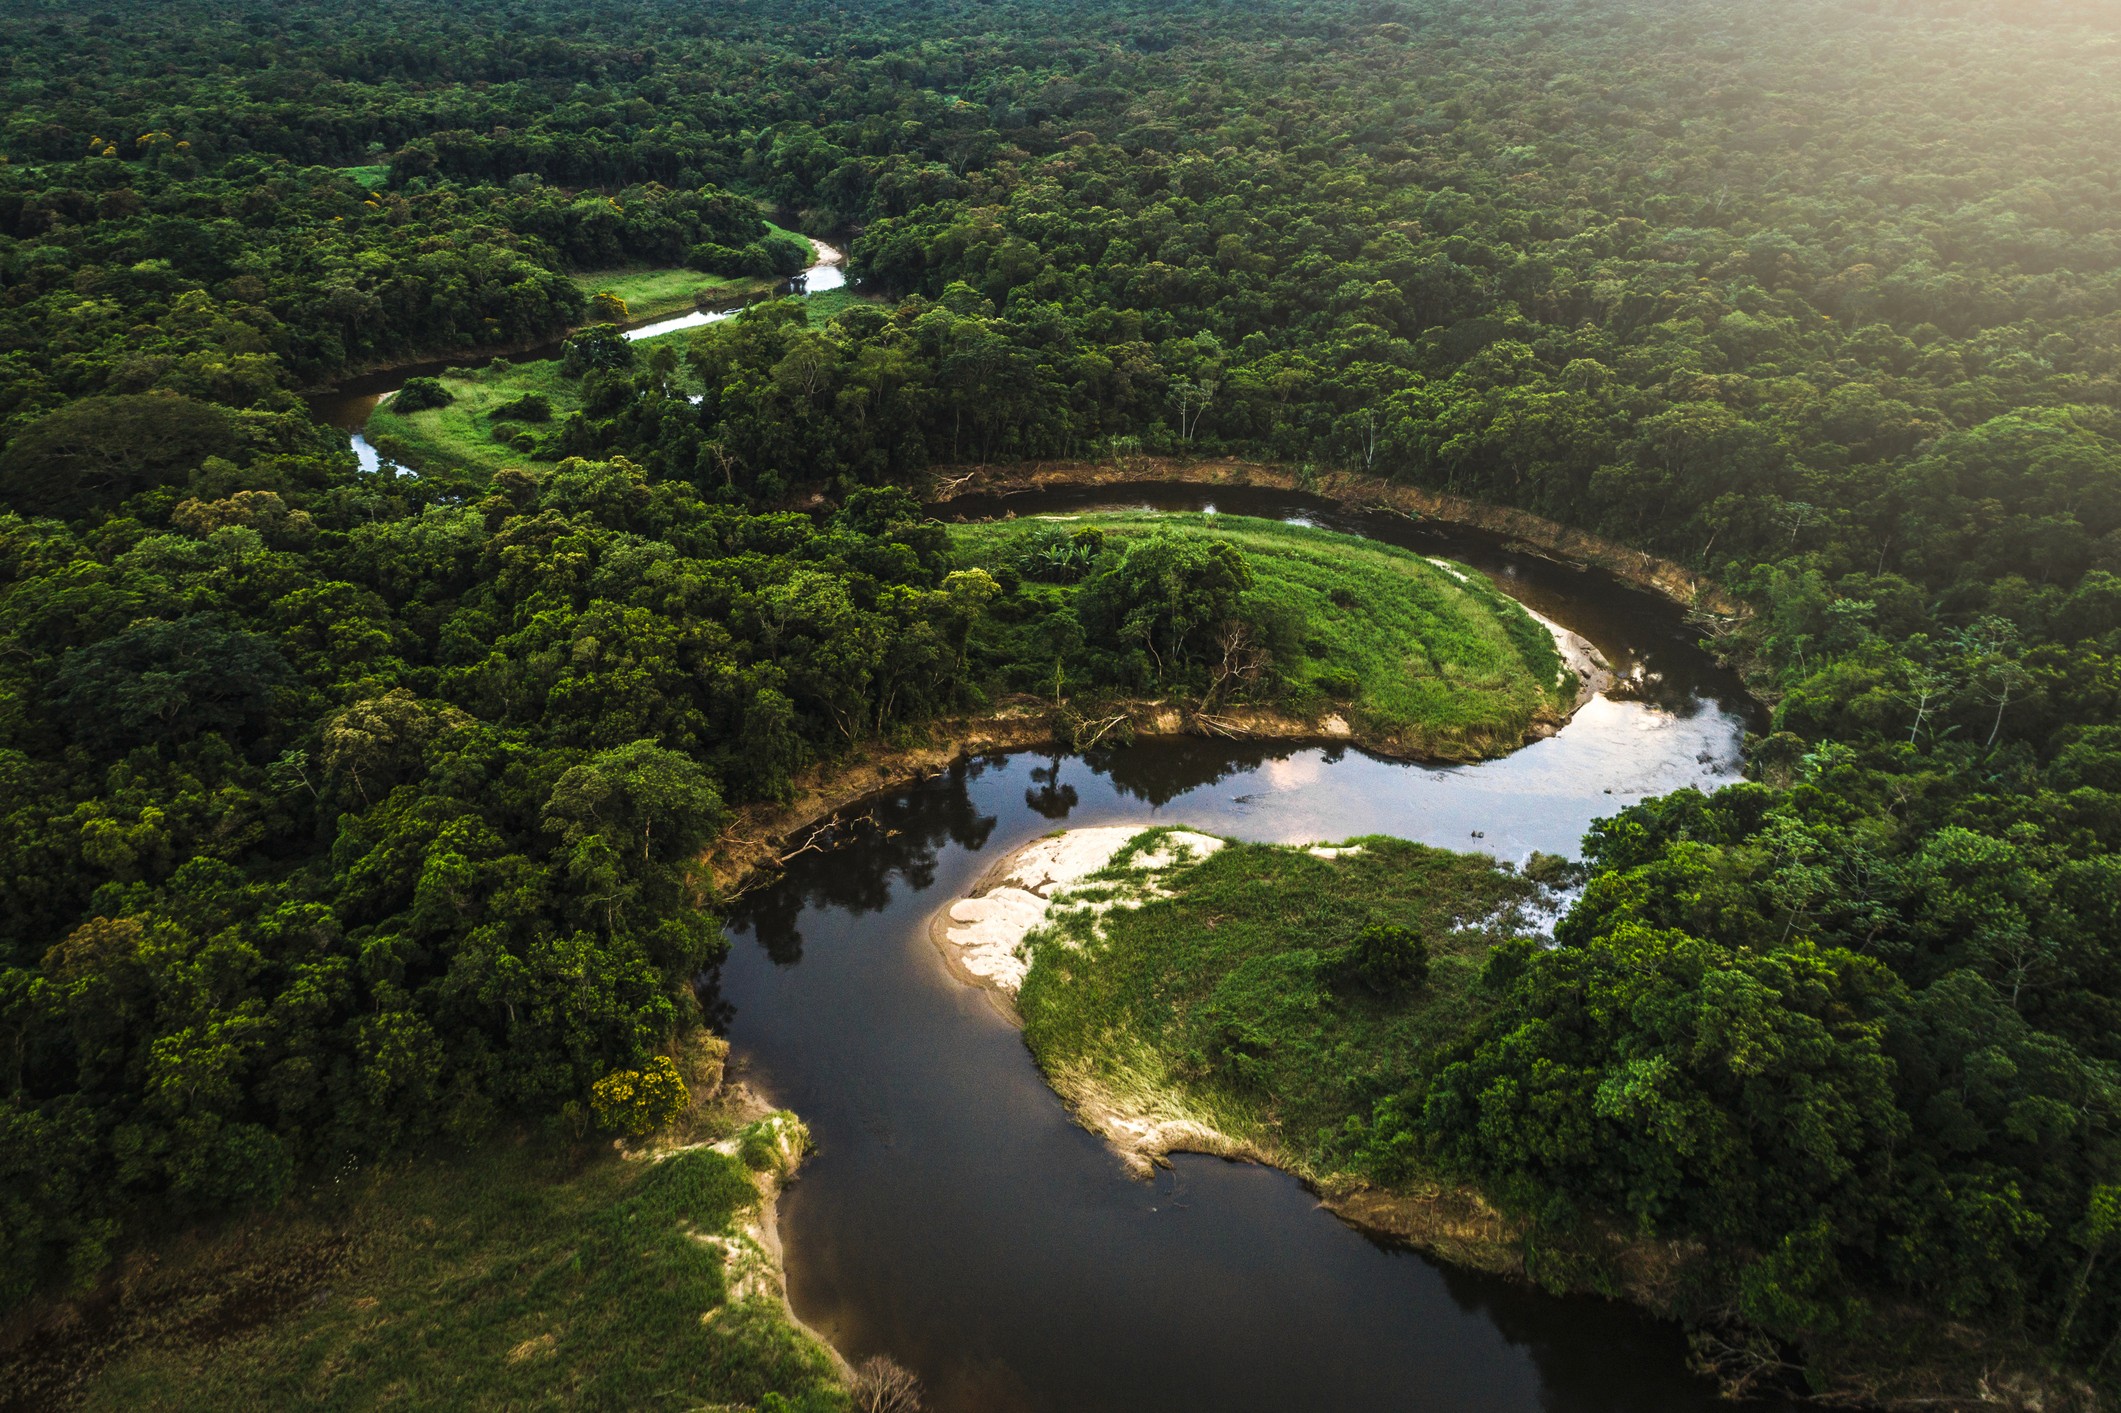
{"x":762,"y":836}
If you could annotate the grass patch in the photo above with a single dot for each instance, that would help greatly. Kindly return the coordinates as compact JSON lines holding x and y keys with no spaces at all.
{"x":658,"y":293}
{"x":516,"y":1279}
{"x":1236,"y":992}
{"x":461,"y":434}
{"x":374,"y":178}
{"x":1428,"y":658}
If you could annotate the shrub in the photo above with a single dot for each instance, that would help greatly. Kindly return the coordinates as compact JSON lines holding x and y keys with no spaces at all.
{"x":530,"y":407}
{"x":421,"y":395}
{"x":638,"y":1102}
{"x":598,"y":347}
{"x":1388,"y":958}
{"x":1339,"y":684}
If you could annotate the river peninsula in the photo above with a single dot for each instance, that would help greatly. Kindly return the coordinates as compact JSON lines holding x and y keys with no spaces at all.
{"x":1185,"y":992}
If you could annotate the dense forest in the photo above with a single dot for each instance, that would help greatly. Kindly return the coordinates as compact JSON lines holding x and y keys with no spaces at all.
{"x":346,"y":812}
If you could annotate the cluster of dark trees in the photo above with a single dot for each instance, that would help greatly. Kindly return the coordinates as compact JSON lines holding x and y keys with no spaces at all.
{"x":337,"y":810}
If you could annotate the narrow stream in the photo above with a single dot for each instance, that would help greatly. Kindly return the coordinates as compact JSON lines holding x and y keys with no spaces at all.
{"x":955,"y":1218}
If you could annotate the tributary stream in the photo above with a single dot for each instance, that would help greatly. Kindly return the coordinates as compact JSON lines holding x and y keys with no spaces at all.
{"x":955,"y":1218}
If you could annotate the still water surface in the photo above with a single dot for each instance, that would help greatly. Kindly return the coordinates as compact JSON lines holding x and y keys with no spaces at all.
{"x":955,"y":1218}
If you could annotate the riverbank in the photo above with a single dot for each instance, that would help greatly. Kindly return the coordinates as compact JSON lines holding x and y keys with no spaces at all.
{"x":472,"y":1278}
{"x":764,"y":835}
{"x":1185,"y":993}
{"x":1047,"y":925}
{"x":1423,"y":657}
{"x":1354,"y":491}
{"x":651,"y":292}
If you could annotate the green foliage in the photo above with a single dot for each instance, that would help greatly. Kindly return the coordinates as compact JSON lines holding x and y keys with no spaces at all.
{"x":422,"y":395}
{"x":598,"y":348}
{"x":1166,"y":593}
{"x":158,"y":681}
{"x":1229,"y":989}
{"x":510,"y":1279}
{"x":1224,"y":608}
{"x":1777,"y":291}
{"x":639,"y":1102}
{"x":323,"y":840}
{"x":1387,"y":957}
{"x":530,"y":407}
{"x":93,"y":453}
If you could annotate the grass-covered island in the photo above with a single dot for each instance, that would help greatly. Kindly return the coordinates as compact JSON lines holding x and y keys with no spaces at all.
{"x":1217,"y":613}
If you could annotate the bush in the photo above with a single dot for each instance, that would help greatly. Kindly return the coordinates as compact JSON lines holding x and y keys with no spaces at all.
{"x":1339,"y":684}
{"x":596,"y":348}
{"x":421,"y":395}
{"x":530,"y":407}
{"x":638,"y":1102}
{"x":1388,"y":958}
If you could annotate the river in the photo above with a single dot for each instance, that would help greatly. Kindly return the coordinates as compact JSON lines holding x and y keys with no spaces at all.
{"x":956,"y":1219}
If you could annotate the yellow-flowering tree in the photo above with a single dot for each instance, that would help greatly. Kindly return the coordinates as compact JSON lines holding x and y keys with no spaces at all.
{"x":638,"y":1102}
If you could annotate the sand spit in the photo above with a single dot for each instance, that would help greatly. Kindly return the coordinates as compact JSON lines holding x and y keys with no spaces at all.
{"x":983,"y":934}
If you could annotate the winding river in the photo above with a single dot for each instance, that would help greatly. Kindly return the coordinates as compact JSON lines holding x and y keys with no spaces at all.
{"x":955,"y":1218}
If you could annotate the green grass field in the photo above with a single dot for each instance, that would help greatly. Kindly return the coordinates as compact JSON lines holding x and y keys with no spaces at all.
{"x":1232,"y":991}
{"x":515,"y":1279}
{"x":460,"y":436}
{"x":656,"y":294}
{"x":1430,"y":659}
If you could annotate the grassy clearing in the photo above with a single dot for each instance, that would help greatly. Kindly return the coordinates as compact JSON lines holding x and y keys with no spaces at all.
{"x":658,"y":293}
{"x":522,"y":1278}
{"x":374,"y":178}
{"x":1232,"y":993}
{"x":1426,"y":658}
{"x":461,"y":434}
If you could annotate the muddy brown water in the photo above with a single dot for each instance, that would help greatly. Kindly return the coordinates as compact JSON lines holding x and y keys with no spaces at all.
{"x":956,"y":1219}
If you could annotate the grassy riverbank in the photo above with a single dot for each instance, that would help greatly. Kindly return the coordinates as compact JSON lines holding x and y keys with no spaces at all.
{"x":1256,"y":990}
{"x":656,"y":293}
{"x":532,"y":1273}
{"x":1418,"y":657}
{"x":460,"y":436}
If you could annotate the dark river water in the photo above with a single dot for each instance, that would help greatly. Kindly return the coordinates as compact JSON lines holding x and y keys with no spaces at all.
{"x":955,"y":1218}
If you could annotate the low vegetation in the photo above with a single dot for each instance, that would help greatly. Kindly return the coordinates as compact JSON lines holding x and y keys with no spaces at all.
{"x":336,"y":810}
{"x":1275,"y":993}
{"x":655,"y":293}
{"x":1421,"y":657}
{"x":471,"y":422}
{"x":537,"y":1274}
